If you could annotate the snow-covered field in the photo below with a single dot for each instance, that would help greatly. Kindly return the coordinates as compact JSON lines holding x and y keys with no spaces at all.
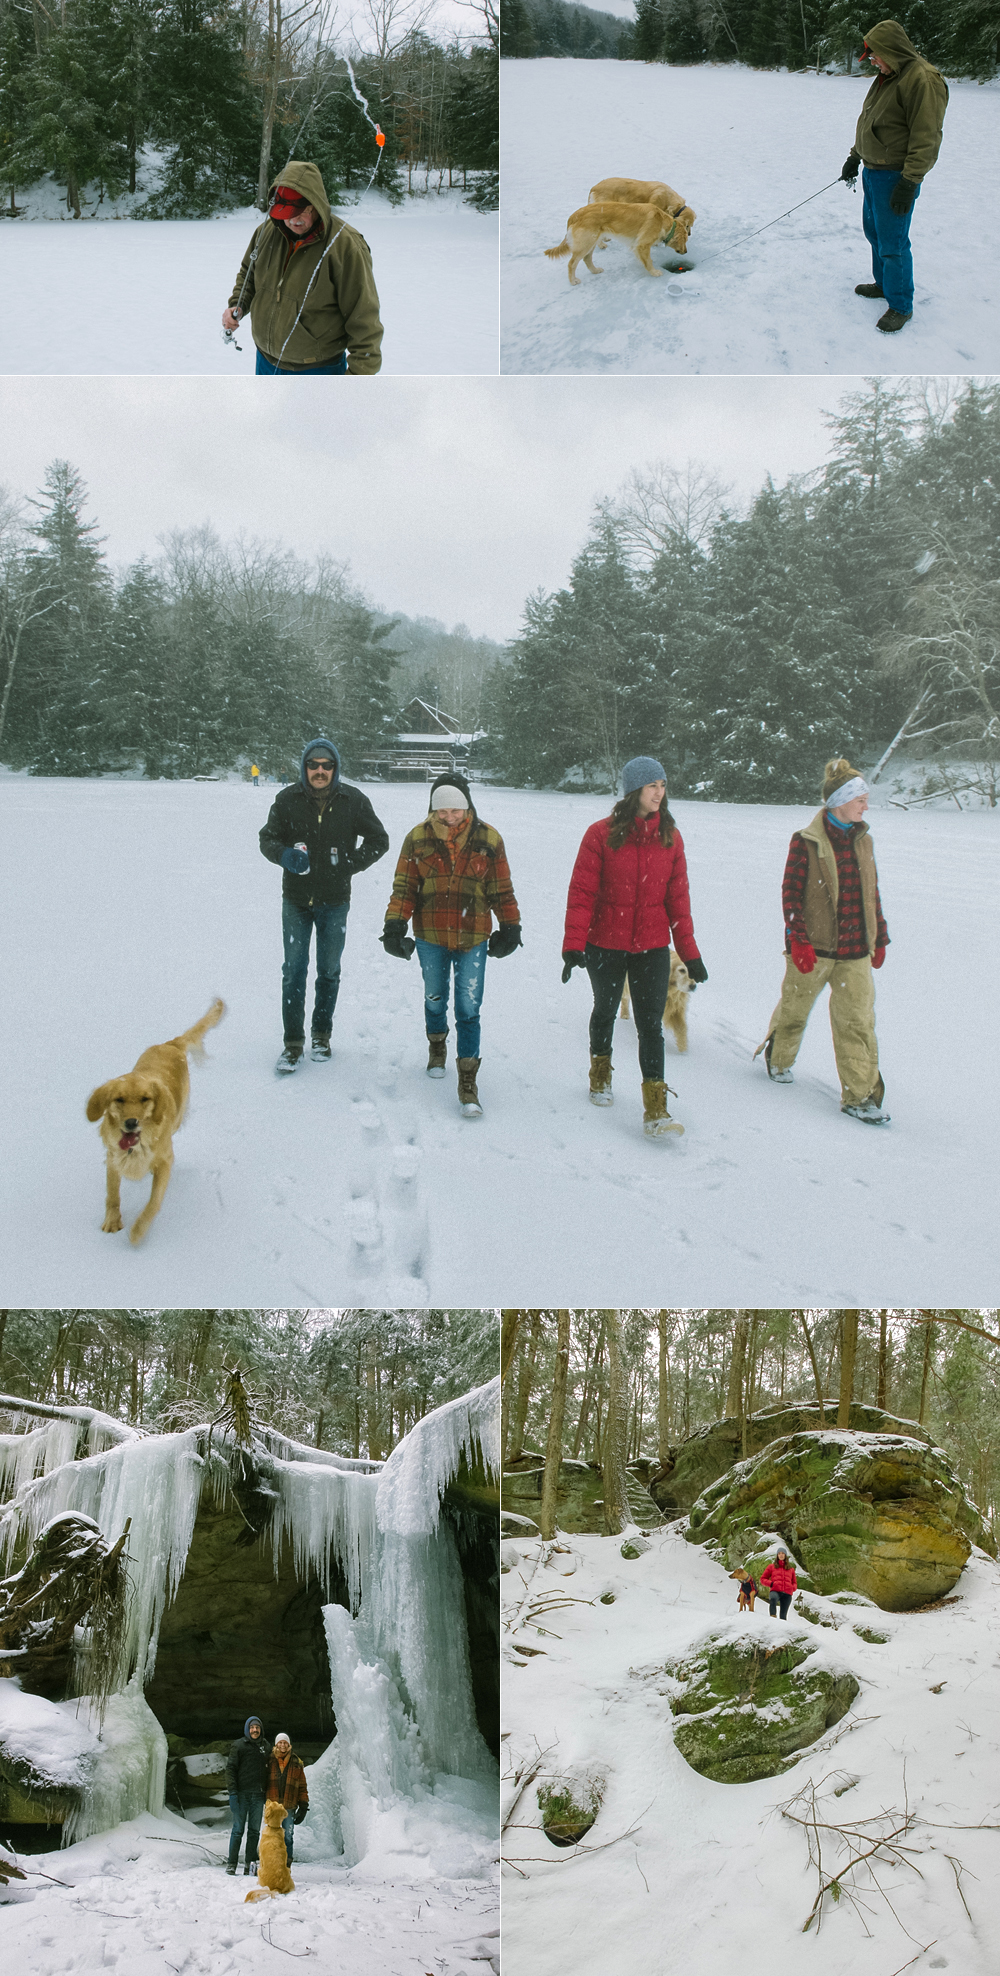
{"x":146,"y":296}
{"x":742,"y":146}
{"x":712,"y":1876}
{"x":152,"y":1895}
{"x":129,"y":905}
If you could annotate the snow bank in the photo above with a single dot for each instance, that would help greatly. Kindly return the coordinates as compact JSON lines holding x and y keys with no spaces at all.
{"x":418,"y":1471}
{"x":112,"y":1771}
{"x":50,"y":1736}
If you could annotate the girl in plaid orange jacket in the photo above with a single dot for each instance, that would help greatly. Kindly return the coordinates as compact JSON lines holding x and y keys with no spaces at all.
{"x":453,"y":879}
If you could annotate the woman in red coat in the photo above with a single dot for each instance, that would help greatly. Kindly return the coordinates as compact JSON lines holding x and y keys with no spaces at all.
{"x":628,"y":897}
{"x":781,"y":1583}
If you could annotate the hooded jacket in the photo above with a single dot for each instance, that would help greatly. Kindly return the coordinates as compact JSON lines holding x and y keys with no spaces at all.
{"x":899,"y":128}
{"x":633,"y":898}
{"x":340,"y":831}
{"x":248,"y":1763}
{"x":342,"y":310}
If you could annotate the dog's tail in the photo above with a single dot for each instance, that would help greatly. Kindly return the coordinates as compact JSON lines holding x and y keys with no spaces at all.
{"x":258,"y":1894}
{"x":556,"y":253}
{"x":193,"y":1039}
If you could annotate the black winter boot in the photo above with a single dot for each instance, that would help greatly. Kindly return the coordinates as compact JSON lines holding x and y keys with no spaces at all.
{"x":870,"y":289}
{"x":892,"y":320}
{"x":289,"y":1060}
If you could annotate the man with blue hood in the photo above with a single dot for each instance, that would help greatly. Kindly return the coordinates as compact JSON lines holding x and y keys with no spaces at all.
{"x":322,"y":832}
{"x":897,"y":141}
{"x":246,"y":1776}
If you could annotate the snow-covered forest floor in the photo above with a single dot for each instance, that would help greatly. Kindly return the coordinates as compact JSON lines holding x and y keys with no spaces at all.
{"x":146,"y":296}
{"x":711,"y":1875}
{"x":152,"y":1895}
{"x":129,"y":905}
{"x":742,"y":146}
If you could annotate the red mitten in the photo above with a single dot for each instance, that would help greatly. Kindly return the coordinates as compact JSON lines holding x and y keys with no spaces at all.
{"x":803,"y":955}
{"x":878,"y":956}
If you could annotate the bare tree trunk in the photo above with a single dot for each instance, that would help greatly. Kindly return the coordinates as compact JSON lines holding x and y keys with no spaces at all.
{"x":812,"y":1360}
{"x":509,"y":1323}
{"x":525,"y":1384}
{"x":553,"y":1452}
{"x":616,"y":1509}
{"x":374,"y":1441}
{"x":883,"y":1359}
{"x":925,"y":1376}
{"x":663,"y":1402}
{"x":848,"y":1354}
{"x":590,"y":1385}
{"x":734,"y":1395}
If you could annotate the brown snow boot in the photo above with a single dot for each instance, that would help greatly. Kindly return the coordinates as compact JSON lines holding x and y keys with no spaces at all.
{"x":437,"y":1055}
{"x":656,"y":1120}
{"x":468,"y":1096}
{"x":600,"y":1081}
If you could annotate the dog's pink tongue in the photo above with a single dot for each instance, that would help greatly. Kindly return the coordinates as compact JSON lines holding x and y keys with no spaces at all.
{"x":128,"y":1140}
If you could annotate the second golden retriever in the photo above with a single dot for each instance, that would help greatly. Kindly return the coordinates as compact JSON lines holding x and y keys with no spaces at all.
{"x":139,"y":1114}
{"x":592,"y":226}
{"x":644,"y":192}
{"x":675,"y":1013}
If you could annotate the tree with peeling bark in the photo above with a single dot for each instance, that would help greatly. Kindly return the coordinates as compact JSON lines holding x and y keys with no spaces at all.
{"x":553,"y":1452}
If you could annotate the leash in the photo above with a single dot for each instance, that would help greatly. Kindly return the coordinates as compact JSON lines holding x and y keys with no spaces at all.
{"x":229,"y":335}
{"x":763,"y":229}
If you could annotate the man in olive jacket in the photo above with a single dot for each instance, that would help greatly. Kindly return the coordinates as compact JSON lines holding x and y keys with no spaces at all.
{"x":897,"y":140}
{"x":322,"y":832}
{"x":306,"y":282}
{"x":246,"y":1776}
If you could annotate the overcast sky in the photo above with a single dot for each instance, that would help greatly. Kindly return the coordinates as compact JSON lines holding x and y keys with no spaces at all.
{"x":451,"y":498}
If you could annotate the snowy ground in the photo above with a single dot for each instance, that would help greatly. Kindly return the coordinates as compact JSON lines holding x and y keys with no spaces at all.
{"x":742,"y":146}
{"x":151,"y":1896}
{"x":713,"y":1877}
{"x":129,"y":905}
{"x":146,"y":296}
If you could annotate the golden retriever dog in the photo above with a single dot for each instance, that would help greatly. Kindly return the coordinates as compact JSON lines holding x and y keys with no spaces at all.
{"x":645,"y":192}
{"x":592,"y":226}
{"x":272,"y":1870}
{"x":139,"y":1114}
{"x":675,"y":1012}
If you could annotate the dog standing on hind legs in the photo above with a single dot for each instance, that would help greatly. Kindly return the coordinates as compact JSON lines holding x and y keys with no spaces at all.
{"x":139,"y":1113}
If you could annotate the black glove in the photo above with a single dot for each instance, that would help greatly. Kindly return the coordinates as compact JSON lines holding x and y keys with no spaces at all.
{"x":570,"y":961}
{"x":902,"y":195}
{"x":396,"y":940}
{"x":852,"y":166}
{"x":697,"y":970}
{"x":502,"y":941}
{"x":300,"y":1812}
{"x":294,"y":860}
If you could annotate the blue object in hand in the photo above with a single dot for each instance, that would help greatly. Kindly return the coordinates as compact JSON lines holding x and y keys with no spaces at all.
{"x":295,"y":861}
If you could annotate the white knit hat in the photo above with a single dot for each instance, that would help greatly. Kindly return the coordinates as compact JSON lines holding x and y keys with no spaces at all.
{"x":447,"y":797}
{"x":283,"y":1737}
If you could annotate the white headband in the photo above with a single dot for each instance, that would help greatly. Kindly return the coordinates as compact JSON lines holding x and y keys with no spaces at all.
{"x":447,"y":797}
{"x":857,"y":786}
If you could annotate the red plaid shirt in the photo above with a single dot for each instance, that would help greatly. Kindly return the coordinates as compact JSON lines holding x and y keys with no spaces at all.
{"x":453,"y":883}
{"x":852,"y":939}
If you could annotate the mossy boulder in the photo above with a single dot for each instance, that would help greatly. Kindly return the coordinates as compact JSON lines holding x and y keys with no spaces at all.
{"x":579,"y":1494}
{"x":883,"y":1515}
{"x":747,"y":1710}
{"x":715,"y":1449}
{"x":569,"y":1807}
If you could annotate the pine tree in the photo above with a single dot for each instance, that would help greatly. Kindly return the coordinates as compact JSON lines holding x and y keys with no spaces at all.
{"x":55,"y":717}
{"x":202,"y":110}
{"x":648,"y":31}
{"x":684,"y":39}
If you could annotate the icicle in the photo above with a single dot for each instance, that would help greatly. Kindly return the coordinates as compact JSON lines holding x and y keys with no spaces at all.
{"x":129,"y":1771}
{"x":320,"y":1510}
{"x":418,"y":1471}
{"x":36,"y":1452}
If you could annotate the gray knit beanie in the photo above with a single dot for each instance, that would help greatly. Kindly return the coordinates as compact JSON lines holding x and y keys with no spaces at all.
{"x":640,"y":770}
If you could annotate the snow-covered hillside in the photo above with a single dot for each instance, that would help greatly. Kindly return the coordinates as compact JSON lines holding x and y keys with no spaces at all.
{"x":743,"y":146}
{"x":701,"y":1876}
{"x":146,"y":296}
{"x":128,"y":905}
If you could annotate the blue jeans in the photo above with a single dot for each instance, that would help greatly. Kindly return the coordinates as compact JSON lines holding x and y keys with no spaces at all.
{"x":288,"y":1828}
{"x":297,"y":923}
{"x":436,"y":964}
{"x":888,"y":235}
{"x":247,"y":1810}
{"x":337,"y":368}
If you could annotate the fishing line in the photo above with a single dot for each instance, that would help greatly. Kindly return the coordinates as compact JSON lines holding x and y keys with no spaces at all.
{"x":763,"y":229}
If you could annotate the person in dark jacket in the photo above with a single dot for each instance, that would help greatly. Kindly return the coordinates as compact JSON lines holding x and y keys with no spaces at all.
{"x":286,"y":1784}
{"x":781,"y":1583}
{"x":322,"y":832}
{"x":452,"y":876}
{"x":835,"y":932}
{"x":246,"y":1776}
{"x":628,"y":897}
{"x":897,"y":140}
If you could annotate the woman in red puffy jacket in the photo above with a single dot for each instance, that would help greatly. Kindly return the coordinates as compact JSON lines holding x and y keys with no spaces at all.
{"x":781,"y":1583}
{"x":628,"y":898}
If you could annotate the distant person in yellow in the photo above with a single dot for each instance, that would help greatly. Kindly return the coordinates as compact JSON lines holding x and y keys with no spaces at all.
{"x":306,"y":283}
{"x":255,"y":775}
